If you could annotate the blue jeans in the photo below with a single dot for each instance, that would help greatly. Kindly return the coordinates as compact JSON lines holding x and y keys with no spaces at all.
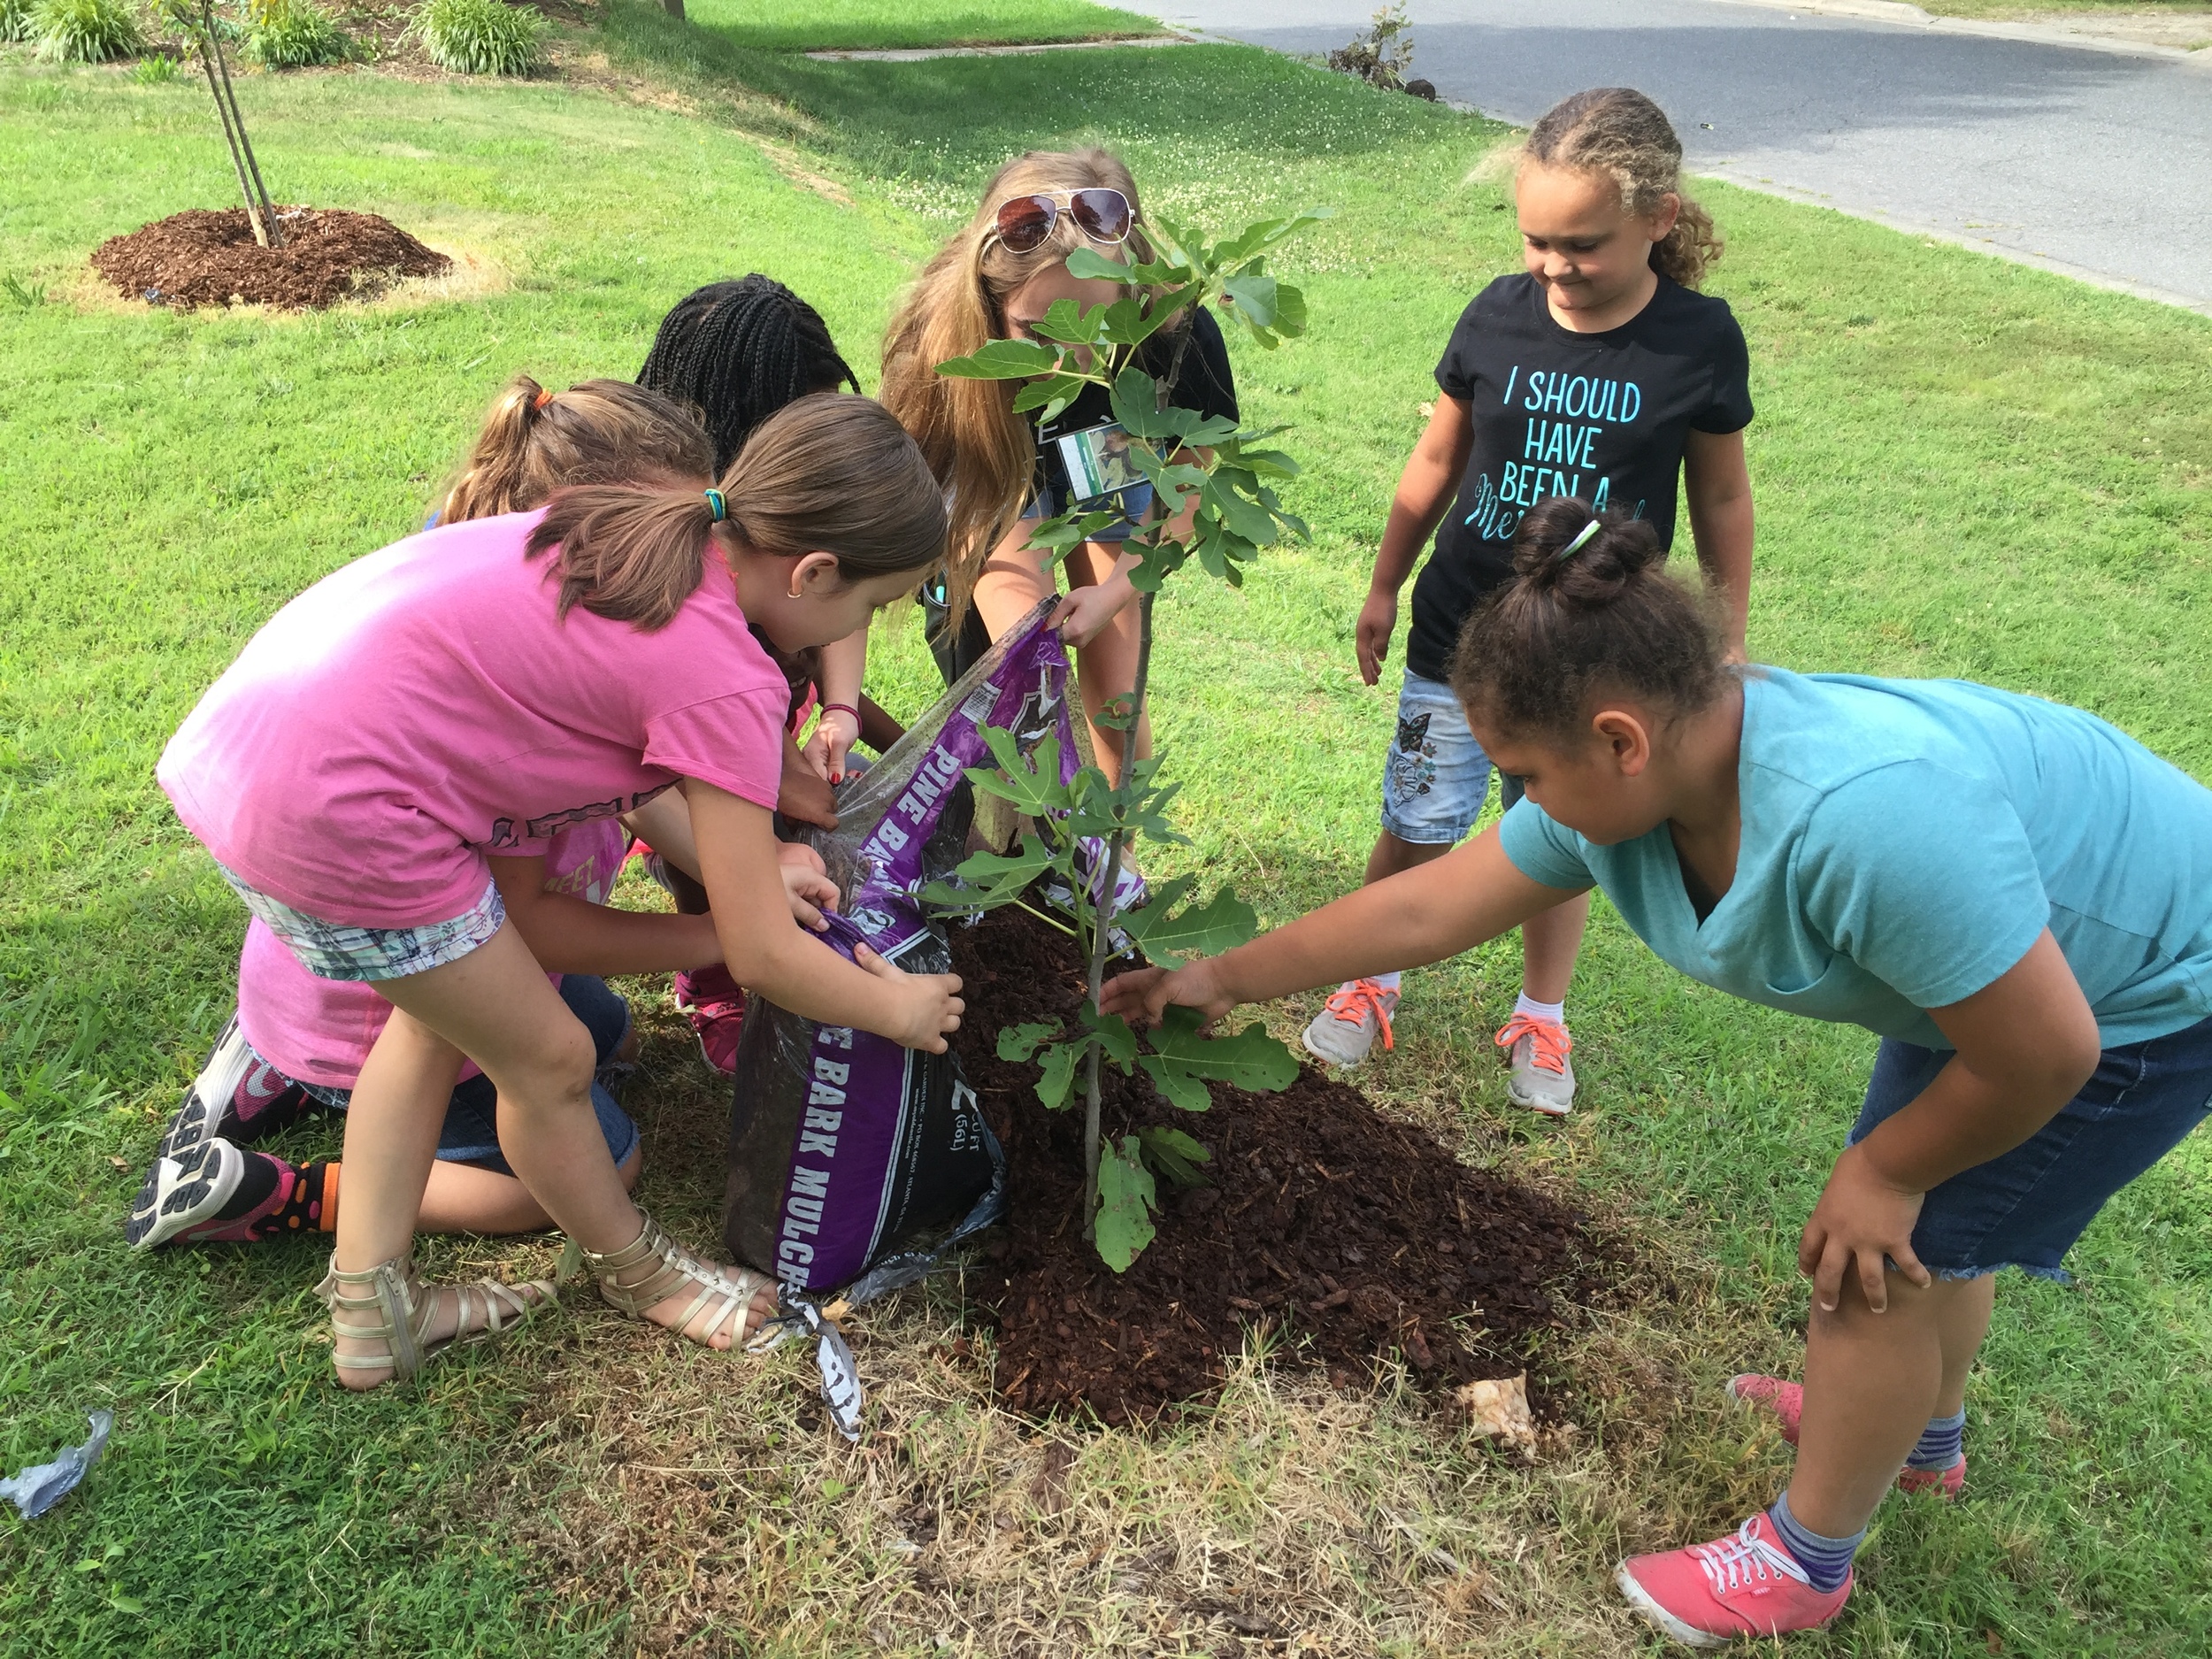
{"x":1436,"y":777}
{"x":2026,"y":1207}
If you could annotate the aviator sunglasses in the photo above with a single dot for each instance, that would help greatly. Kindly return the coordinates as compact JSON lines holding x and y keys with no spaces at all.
{"x":1023,"y":222}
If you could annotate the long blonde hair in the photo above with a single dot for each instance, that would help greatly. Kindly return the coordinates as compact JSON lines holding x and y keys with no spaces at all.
{"x":1619,"y":132}
{"x":830,"y":473}
{"x":597,"y":432}
{"x":980,"y":450}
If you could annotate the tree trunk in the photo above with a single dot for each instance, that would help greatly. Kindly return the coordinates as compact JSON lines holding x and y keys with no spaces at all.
{"x":674,"y":8}
{"x":1102,"y":933}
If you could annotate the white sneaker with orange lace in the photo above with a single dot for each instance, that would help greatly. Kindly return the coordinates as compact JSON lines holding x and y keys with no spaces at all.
{"x":1344,"y":1030}
{"x":1542,"y":1078}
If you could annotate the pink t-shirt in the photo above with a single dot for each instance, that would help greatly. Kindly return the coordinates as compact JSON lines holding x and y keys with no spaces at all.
{"x":425,"y":705}
{"x":320,"y":1031}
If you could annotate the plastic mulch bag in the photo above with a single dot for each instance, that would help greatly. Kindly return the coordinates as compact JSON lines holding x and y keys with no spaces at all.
{"x":849,"y":1153}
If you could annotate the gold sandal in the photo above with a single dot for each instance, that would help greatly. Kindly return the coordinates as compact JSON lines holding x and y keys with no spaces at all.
{"x":735,"y":1288}
{"x":404,"y":1306}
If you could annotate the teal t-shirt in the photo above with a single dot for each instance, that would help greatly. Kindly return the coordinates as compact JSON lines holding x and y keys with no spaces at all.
{"x":1905,"y":842}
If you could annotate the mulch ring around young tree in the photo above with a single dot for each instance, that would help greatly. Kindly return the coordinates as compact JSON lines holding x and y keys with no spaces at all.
{"x":203,"y":257}
{"x":1353,"y":1235}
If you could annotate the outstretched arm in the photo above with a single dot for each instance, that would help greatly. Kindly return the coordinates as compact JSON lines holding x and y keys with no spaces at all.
{"x":1470,"y":895}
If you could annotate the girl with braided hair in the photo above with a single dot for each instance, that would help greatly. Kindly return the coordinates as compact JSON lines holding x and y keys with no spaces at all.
{"x":2010,"y":894}
{"x":737,"y":352}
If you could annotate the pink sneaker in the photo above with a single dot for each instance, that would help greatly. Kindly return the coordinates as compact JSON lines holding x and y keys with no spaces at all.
{"x":1786,"y":1401}
{"x":1743,"y":1585}
{"x":715,"y":1004}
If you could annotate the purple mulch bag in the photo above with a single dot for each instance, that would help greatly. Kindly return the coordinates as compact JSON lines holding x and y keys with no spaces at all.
{"x":844,"y":1146}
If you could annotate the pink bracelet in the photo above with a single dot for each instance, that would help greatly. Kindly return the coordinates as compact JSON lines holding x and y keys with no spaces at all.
{"x":843,"y":708}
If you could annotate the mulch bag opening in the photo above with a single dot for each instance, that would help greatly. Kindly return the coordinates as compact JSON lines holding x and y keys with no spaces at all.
{"x":846,"y":1150}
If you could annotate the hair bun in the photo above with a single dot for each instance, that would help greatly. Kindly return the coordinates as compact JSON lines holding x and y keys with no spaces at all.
{"x":1603,"y":564}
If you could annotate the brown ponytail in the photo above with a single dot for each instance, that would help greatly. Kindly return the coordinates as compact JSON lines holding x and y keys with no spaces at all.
{"x":1605,"y":618}
{"x":597,"y":432}
{"x":830,"y":473}
{"x":1619,"y":132}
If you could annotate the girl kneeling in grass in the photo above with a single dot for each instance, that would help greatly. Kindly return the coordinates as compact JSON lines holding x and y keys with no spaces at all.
{"x":469,"y":692}
{"x":298,"y":1041}
{"x":2012,"y":892}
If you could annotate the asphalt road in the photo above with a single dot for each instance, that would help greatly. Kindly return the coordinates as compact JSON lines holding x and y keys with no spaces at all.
{"x":2098,"y":163}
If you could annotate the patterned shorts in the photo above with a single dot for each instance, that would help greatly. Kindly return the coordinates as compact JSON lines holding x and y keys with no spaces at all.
{"x":1436,"y":777}
{"x":342,"y":950}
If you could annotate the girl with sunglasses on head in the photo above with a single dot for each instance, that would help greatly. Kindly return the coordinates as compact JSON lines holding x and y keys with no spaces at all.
{"x":2012,"y":894}
{"x":737,"y":352}
{"x":995,"y":280}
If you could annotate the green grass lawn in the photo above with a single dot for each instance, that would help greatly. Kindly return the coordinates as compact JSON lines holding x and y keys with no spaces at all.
{"x":778,"y":26}
{"x":1962,"y":466}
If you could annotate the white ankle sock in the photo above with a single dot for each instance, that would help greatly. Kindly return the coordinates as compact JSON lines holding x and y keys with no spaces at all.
{"x":1388,"y":981}
{"x":1555,"y":1012}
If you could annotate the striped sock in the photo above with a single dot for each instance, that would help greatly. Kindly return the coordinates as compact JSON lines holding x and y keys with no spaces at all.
{"x":1826,"y":1561}
{"x":1939,"y":1444}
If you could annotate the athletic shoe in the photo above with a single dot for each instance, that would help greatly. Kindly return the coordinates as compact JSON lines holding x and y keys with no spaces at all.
{"x":1542,"y":1078}
{"x":1786,"y":1402}
{"x":715,"y":1005}
{"x":1345,"y":1029}
{"x":184,"y":1191}
{"x":237,"y":1095}
{"x":1745,"y":1584}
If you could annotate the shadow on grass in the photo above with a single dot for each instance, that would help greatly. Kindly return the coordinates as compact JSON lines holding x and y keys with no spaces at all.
{"x":953,"y":120}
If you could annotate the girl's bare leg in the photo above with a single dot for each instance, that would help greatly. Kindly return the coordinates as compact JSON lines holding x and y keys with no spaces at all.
{"x":1872,"y":1381}
{"x":465,"y":1198}
{"x":496,"y":1006}
{"x":1549,"y":944}
{"x":398,"y":1105}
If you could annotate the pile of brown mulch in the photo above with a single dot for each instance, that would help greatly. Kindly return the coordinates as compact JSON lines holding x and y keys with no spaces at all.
{"x":1354,"y":1235}
{"x":200,"y":258}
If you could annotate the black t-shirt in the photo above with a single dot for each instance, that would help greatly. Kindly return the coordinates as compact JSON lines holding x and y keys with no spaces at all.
{"x":1602,"y":416}
{"x":1202,"y":381}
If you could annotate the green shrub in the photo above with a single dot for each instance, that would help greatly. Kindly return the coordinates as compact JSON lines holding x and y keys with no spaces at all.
{"x":158,"y":70}
{"x":85,"y":31}
{"x":16,"y":22}
{"x":292,"y":33}
{"x":479,"y":37}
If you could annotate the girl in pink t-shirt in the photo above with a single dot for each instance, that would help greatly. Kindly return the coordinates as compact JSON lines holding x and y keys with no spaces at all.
{"x":299,"y":1040}
{"x":469,"y":692}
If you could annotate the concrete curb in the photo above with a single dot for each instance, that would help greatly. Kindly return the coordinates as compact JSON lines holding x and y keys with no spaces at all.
{"x":1936,"y":233}
{"x":1905,"y":16}
{"x":923,"y":54}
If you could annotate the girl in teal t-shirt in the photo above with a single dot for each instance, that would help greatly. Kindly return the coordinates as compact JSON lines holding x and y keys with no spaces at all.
{"x":2014,"y":894}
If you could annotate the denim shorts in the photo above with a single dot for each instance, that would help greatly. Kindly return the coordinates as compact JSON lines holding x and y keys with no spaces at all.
{"x":2025,"y":1208}
{"x":471,"y":1134}
{"x":1436,"y":777}
{"x":343,"y":951}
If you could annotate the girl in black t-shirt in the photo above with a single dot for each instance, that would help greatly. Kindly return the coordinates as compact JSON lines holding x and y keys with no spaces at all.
{"x":1597,"y":372}
{"x":994,"y":280}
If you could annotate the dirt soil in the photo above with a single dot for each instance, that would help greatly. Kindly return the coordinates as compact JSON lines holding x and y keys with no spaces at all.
{"x":1353,"y":1235}
{"x":200,"y":258}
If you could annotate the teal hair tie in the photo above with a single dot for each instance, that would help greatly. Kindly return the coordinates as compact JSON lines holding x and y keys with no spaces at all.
{"x":1580,"y":542}
{"x":716,"y":500}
